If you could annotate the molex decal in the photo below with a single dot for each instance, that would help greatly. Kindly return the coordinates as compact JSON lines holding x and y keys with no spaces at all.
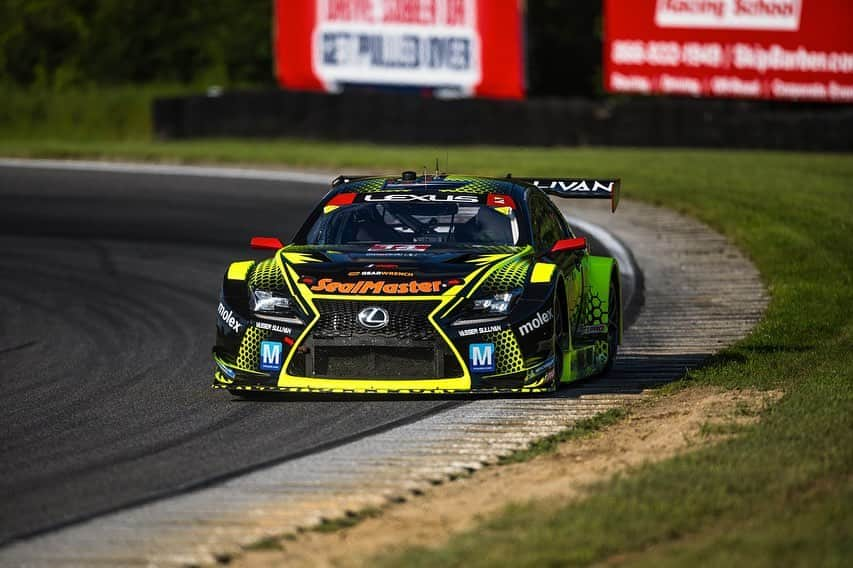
{"x":538,"y":321}
{"x":228,"y":318}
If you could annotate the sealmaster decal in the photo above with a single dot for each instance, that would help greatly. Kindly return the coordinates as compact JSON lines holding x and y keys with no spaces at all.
{"x":331,"y":286}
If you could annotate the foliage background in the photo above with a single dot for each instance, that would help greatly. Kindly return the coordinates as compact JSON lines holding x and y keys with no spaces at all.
{"x":71,"y":43}
{"x":58,"y":44}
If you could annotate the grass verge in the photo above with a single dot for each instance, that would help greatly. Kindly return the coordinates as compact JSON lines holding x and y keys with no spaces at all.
{"x":579,"y":429}
{"x":350,"y":520}
{"x":75,"y":116}
{"x":779,"y":493}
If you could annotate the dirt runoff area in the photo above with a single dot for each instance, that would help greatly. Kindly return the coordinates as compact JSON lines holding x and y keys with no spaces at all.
{"x":655,"y":429}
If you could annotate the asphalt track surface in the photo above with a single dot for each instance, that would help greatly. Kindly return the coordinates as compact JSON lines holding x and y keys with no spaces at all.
{"x":107,"y":312}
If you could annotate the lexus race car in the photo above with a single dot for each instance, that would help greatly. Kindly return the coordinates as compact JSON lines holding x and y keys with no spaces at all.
{"x":424,"y":284}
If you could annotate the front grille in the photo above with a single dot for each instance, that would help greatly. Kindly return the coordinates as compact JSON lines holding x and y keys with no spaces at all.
{"x":406,"y":320}
{"x":409,"y":347}
{"x":385,"y":362}
{"x":339,"y":360}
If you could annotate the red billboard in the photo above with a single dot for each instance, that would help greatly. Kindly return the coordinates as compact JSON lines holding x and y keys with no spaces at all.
{"x":451,"y":47}
{"x":793,"y":50}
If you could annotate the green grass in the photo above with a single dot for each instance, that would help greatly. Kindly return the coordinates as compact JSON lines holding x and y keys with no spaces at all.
{"x":266,"y":543}
{"x":580,"y":429}
{"x":349,"y":520}
{"x":778,"y":493}
{"x":105,"y":114}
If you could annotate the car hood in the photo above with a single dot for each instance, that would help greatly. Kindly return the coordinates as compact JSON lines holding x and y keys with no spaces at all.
{"x":329,"y":270}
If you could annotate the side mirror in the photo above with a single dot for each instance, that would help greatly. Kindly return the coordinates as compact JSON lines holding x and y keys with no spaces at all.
{"x":266,"y":243}
{"x":569,"y":245}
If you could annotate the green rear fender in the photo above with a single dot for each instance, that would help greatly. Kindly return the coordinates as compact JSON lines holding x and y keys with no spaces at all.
{"x":597,"y":295}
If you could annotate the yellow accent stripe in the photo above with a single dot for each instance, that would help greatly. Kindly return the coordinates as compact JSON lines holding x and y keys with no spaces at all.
{"x":329,"y":208}
{"x":287,"y":381}
{"x":376,"y":297}
{"x":290,"y":275}
{"x":542,"y":272}
{"x":239,"y":270}
{"x":406,"y":390}
{"x":299,"y":258}
{"x":498,"y":265}
{"x":488,"y":258}
{"x":380,"y":385}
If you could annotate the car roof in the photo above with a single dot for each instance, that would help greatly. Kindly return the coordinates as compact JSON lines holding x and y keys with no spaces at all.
{"x":411,"y":182}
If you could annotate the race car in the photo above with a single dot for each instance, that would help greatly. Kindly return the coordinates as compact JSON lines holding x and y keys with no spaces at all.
{"x":424,"y":284}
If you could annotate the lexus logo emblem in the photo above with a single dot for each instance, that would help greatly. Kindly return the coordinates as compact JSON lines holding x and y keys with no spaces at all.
{"x":373,"y":318}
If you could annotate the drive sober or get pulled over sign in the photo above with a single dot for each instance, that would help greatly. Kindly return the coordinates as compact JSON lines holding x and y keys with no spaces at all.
{"x":464,"y":47}
{"x":764,"y":49}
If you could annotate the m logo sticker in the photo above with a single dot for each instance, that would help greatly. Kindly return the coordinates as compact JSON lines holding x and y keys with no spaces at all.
{"x":271,"y":352}
{"x":481,"y":357}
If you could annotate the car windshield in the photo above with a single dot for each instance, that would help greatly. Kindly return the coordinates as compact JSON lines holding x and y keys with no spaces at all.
{"x":415,"y":222}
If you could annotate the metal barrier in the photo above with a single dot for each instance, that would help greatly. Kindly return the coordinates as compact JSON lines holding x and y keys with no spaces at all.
{"x":385,"y":117}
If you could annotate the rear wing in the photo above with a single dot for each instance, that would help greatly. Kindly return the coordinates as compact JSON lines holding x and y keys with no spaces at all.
{"x":584,"y":188}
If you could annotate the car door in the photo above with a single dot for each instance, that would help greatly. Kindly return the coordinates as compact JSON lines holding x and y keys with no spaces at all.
{"x":549,"y":226}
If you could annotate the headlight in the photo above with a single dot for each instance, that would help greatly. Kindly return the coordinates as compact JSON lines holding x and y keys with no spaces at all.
{"x":269,"y":302}
{"x":497,"y":304}
{"x":489,"y":309}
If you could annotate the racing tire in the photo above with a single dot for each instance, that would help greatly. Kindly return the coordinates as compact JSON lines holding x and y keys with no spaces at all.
{"x":559,"y":339}
{"x":614,"y":313}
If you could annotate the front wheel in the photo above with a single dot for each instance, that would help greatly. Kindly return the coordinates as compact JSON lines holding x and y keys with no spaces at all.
{"x":560,"y":343}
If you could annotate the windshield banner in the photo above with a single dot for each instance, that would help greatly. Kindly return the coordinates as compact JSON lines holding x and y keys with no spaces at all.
{"x":451,"y":47}
{"x":793,"y":50}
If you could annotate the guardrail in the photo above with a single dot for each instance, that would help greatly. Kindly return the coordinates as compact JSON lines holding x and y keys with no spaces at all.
{"x":385,"y":117}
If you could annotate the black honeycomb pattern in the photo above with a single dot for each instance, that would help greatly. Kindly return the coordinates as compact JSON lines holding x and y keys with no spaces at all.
{"x":249,"y":354}
{"x":602,"y":352}
{"x":508,"y":354}
{"x":267,"y":276}
{"x":510,"y":276}
{"x":406,"y":320}
{"x":595,"y":309}
{"x":479,"y":185}
{"x":367,"y":185}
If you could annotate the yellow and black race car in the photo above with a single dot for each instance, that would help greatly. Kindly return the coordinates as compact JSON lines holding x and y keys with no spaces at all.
{"x":424,"y":284}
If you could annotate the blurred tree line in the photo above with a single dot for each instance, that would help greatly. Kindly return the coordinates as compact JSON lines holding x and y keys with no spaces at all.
{"x":60,"y":43}
{"x":65,"y":43}
{"x":564,"y":43}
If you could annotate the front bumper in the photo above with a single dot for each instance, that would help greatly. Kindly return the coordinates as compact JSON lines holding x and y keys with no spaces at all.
{"x":419,"y":354}
{"x":358,"y":386}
